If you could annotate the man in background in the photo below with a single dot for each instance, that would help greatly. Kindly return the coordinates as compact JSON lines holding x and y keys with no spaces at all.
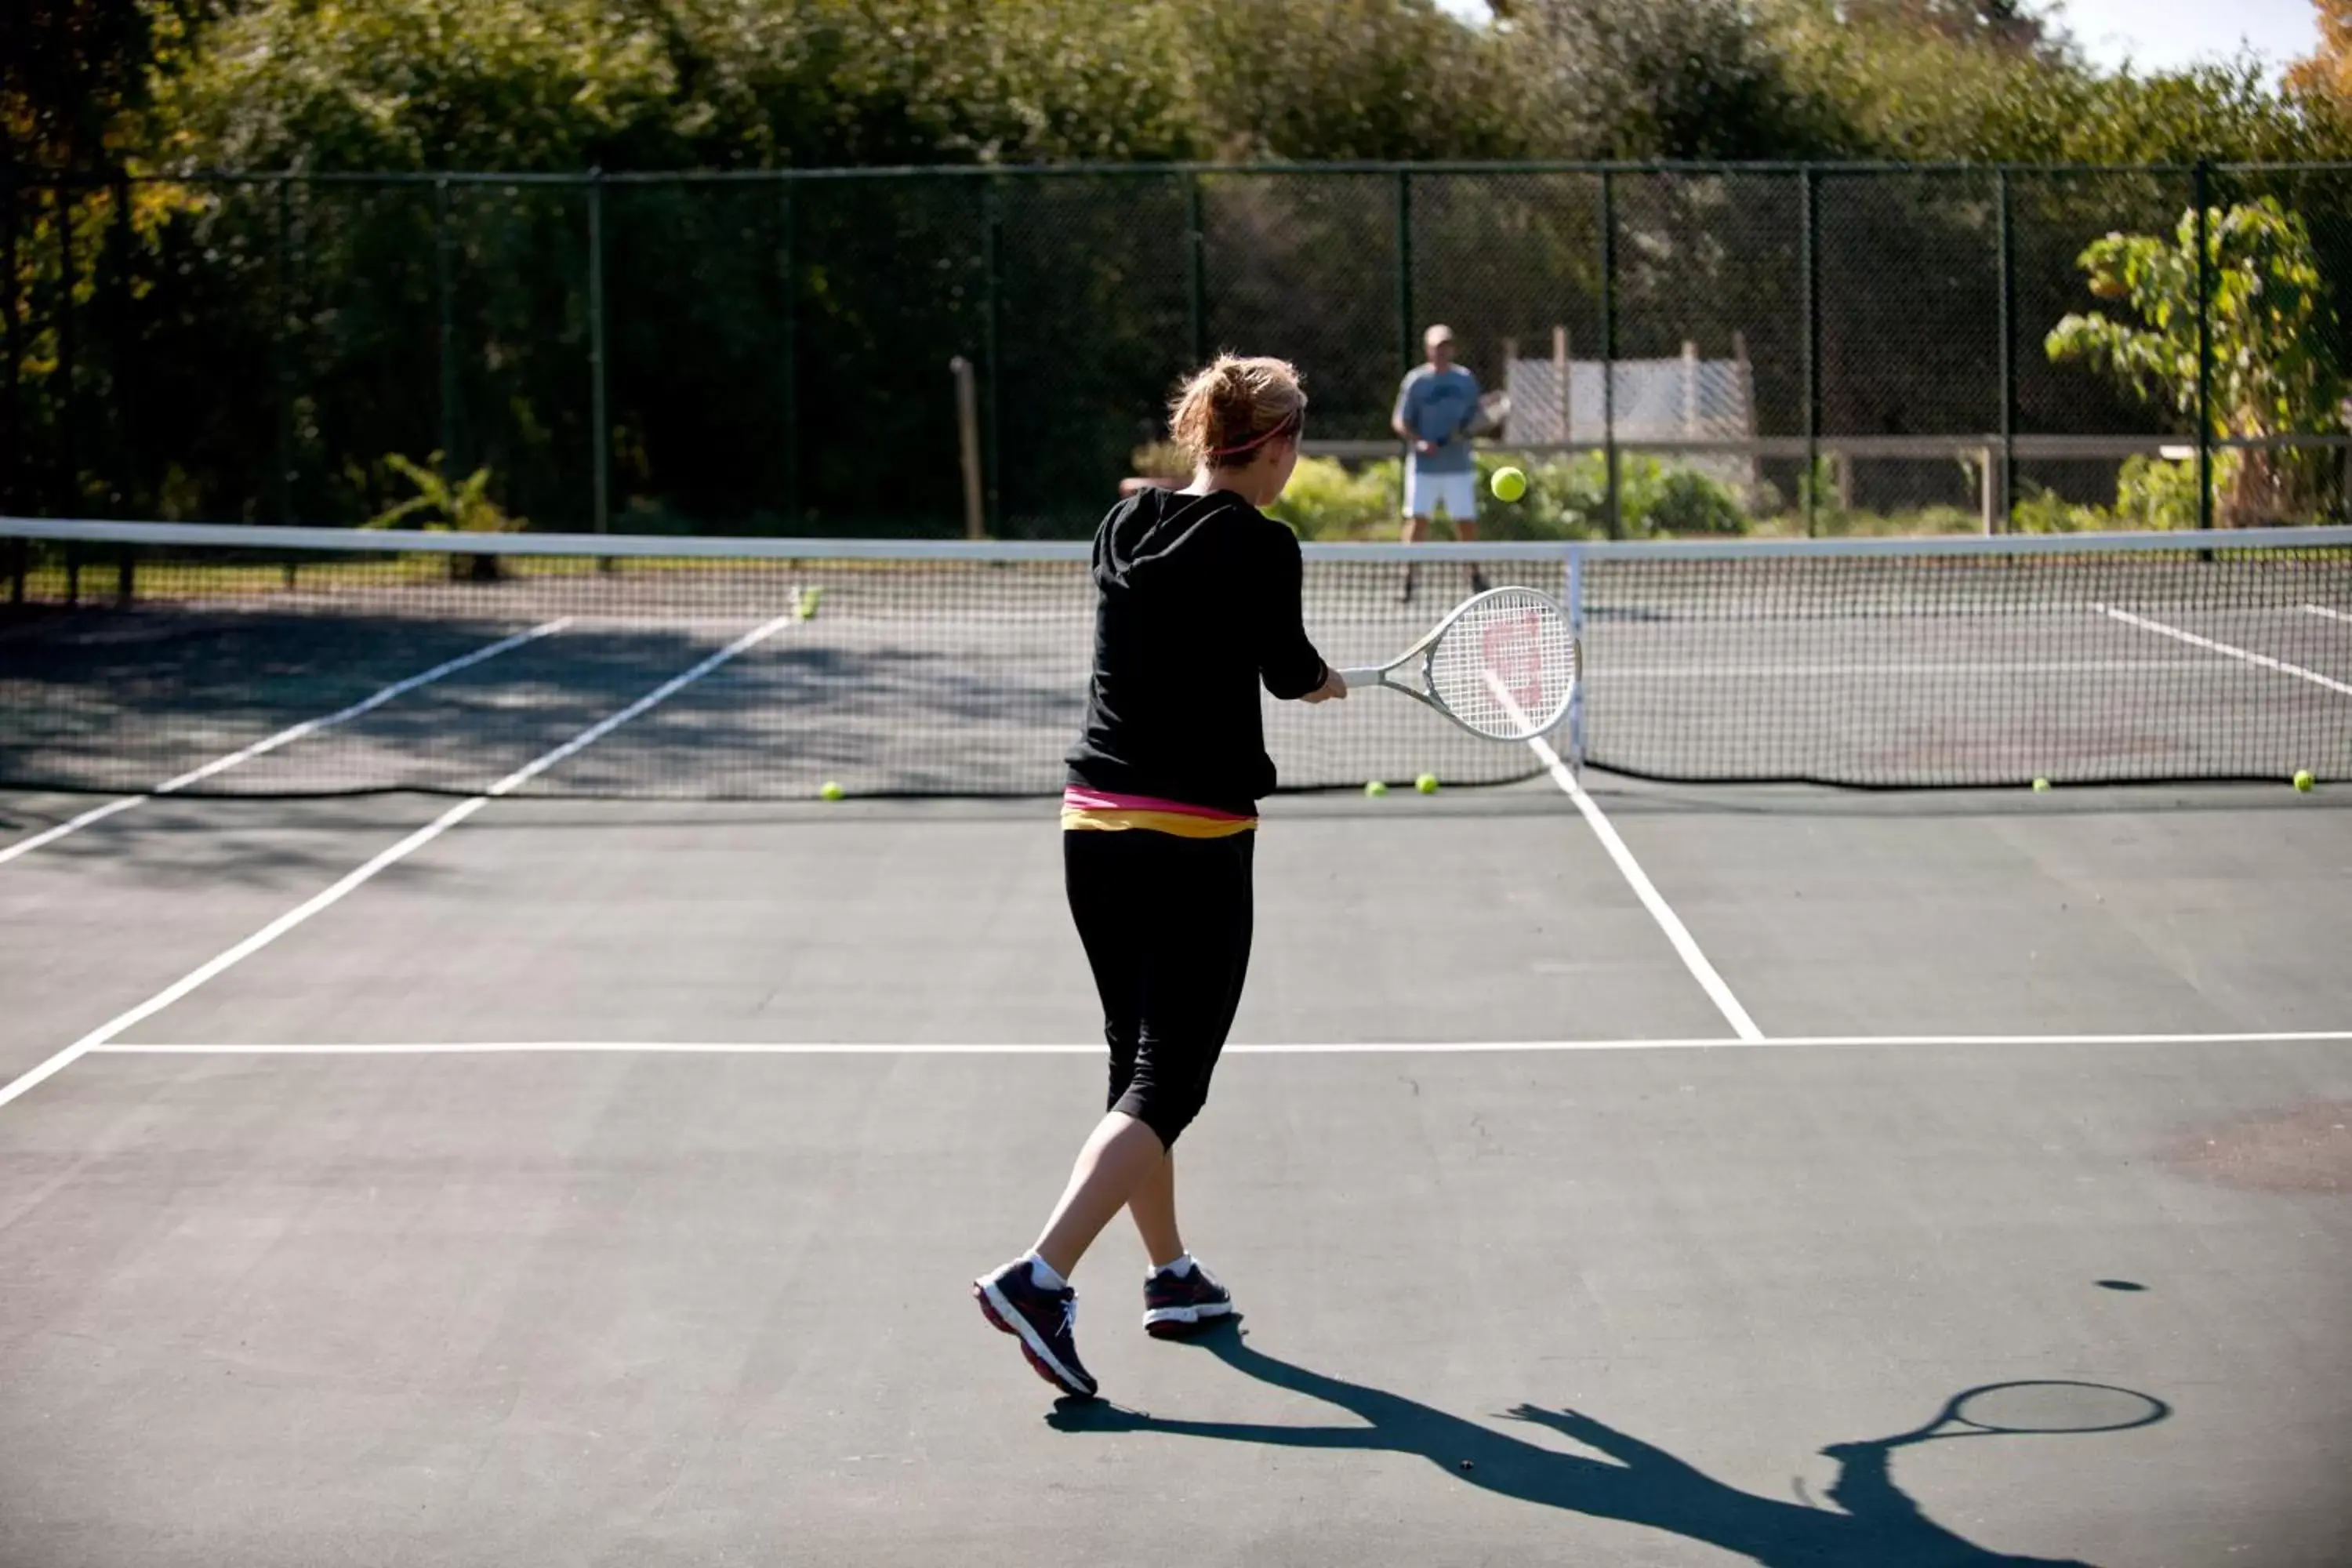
{"x":1435,"y":408}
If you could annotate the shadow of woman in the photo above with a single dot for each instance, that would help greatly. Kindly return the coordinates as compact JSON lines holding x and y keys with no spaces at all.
{"x":1875,"y":1523}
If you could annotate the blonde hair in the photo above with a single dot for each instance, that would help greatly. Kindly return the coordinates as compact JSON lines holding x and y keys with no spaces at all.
{"x":1227,"y":413}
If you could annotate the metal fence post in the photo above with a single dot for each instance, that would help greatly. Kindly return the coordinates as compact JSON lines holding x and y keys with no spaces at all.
{"x":2008,"y":492}
{"x":11,"y":424}
{"x":1196,"y":267}
{"x":1405,"y":356}
{"x":1808,"y":261}
{"x":68,"y":488}
{"x":281,"y":395}
{"x":788,"y":261}
{"x":2201,"y":187}
{"x":122,"y":446}
{"x":448,"y":334}
{"x":992,"y":217}
{"x":1610,"y":483}
{"x":601,"y":433}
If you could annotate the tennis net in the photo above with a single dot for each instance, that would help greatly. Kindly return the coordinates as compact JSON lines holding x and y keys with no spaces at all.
{"x":229,"y":659}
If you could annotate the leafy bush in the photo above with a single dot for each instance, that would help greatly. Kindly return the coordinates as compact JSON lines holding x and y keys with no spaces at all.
{"x":1324,"y":501}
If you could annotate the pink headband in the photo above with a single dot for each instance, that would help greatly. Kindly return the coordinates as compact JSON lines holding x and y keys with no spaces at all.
{"x":1290,"y":422}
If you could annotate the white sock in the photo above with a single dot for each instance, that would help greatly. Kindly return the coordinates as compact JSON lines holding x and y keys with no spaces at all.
{"x":1043,"y":1272}
{"x":1181,"y":1267}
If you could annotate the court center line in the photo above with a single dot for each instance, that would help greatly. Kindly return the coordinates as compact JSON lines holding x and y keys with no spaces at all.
{"x":2331,"y":615}
{"x":283,"y":737}
{"x":1292,"y":1049}
{"x":2264,"y":659}
{"x":1677,"y":934}
{"x":449,"y":819}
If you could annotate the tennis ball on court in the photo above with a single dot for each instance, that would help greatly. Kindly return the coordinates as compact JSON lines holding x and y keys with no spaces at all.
{"x":1508,"y":484}
{"x":1426,"y":783}
{"x":805,"y":609}
{"x":2302,"y":780}
{"x":829,"y":790}
{"x":1376,"y":788}
{"x":2041,"y":786}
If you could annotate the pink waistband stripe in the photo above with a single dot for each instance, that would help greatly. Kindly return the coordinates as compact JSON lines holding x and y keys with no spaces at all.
{"x":1077,"y":798}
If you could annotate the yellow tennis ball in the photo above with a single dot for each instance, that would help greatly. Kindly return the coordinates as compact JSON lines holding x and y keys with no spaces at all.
{"x":1426,"y":783}
{"x":829,"y":790}
{"x":1508,"y":484}
{"x":2304,"y":781}
{"x":1376,"y":788}
{"x":2040,"y":785}
{"x":805,"y":609}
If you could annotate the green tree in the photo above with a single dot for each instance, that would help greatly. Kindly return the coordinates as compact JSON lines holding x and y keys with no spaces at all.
{"x":2273,"y":365}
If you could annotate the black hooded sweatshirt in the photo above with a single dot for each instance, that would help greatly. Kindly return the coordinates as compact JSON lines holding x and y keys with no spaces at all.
{"x":1199,"y":602}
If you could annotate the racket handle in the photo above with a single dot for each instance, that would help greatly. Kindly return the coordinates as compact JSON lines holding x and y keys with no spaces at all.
{"x":1353,"y":678}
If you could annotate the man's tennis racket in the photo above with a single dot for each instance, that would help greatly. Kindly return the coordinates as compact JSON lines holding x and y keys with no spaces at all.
{"x":1502,"y":666}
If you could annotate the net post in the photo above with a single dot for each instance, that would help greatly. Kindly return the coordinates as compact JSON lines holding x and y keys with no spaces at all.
{"x":1573,"y":592}
{"x":600,"y":437}
{"x":1406,"y":359}
{"x":282,"y":492}
{"x":2200,"y":189}
{"x":1196,"y":269}
{"x":448,"y":339}
{"x":1809,"y":263}
{"x":1614,"y":508}
{"x":2005,"y":499}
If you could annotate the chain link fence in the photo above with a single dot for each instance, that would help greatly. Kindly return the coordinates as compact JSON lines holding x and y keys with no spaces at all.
{"x":1737,"y":349}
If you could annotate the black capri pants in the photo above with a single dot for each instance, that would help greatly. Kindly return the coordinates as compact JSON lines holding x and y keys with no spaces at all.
{"x":1166,"y":924}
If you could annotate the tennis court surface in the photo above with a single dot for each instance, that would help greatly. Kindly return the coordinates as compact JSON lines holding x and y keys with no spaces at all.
{"x":543,"y":1161}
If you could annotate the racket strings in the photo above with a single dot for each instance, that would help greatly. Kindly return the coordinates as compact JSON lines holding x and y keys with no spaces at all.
{"x":1505,"y":666}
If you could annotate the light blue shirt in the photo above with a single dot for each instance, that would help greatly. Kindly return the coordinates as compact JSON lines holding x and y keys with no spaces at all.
{"x":1437,"y":406}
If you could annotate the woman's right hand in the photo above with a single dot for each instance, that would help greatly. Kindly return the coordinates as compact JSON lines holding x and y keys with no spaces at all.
{"x":1333,"y":686}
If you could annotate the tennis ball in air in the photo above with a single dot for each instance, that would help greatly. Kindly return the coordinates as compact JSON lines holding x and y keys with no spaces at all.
{"x":829,"y":790}
{"x":2041,"y":786}
{"x":1508,"y":484}
{"x":1376,"y":788}
{"x":1426,"y":783}
{"x":809,"y":600}
{"x":2302,"y":780}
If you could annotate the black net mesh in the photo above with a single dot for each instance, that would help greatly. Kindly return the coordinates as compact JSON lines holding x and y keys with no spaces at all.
{"x":776,"y":348}
{"x":936,"y":669}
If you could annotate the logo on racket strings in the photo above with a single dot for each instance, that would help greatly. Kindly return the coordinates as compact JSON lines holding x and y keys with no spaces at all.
{"x":1513,"y":650}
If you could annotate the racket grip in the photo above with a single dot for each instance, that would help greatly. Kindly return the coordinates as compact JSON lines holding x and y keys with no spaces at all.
{"x":1353,"y":678}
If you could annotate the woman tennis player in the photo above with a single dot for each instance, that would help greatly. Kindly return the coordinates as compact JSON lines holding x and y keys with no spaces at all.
{"x":1197,"y":603}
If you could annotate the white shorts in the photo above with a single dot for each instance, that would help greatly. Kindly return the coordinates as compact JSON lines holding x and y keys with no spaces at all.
{"x":1426,"y":494}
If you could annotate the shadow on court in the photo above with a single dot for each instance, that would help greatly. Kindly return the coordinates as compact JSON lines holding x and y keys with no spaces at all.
{"x":1875,"y":1523}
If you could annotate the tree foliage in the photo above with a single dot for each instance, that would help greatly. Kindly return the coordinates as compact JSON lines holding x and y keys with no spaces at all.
{"x":2269,"y":366}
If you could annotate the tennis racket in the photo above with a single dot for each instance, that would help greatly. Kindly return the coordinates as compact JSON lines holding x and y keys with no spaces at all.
{"x":2039,"y":1404}
{"x":1493,"y":409}
{"x":1502,"y":666}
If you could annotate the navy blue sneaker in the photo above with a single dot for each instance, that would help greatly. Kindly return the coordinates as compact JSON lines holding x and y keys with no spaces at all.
{"x":1175,"y":1308}
{"x":1042,"y":1321}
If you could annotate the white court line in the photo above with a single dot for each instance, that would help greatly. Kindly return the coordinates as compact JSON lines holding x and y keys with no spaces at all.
{"x":283,"y":737}
{"x":1668,"y":922}
{"x":449,"y":819}
{"x":1957,"y":671}
{"x":2331,"y":615}
{"x":2264,"y":659}
{"x":1336,"y":1048}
